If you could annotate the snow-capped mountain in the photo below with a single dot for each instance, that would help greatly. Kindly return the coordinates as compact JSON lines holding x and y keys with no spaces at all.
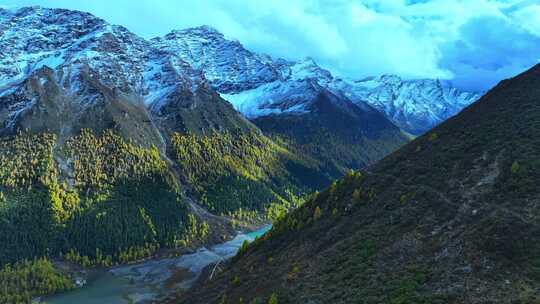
{"x":413,"y":105}
{"x":258,"y":85}
{"x":255,"y":84}
{"x":183,"y":60}
{"x":33,"y":37}
{"x":299,"y":83}
{"x":92,"y":65}
{"x":226,"y":64}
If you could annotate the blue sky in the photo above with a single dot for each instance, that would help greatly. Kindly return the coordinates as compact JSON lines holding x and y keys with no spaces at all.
{"x":475,"y":43}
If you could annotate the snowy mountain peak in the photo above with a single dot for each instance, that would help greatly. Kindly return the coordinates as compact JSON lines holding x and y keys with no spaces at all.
{"x":414,"y":105}
{"x":389,"y":78}
{"x":34,"y":36}
{"x":226,"y":64}
{"x":259,"y":85}
{"x":203,"y":32}
{"x":308,"y":69}
{"x":184,"y":60}
{"x":309,"y":61}
{"x":72,"y":41}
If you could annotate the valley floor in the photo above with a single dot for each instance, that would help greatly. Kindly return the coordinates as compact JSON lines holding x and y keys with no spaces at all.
{"x":152,"y":279}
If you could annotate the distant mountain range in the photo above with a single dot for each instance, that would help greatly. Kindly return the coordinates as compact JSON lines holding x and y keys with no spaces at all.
{"x":259,"y":85}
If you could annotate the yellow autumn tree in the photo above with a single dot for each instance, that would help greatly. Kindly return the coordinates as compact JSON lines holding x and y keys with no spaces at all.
{"x":317,"y":213}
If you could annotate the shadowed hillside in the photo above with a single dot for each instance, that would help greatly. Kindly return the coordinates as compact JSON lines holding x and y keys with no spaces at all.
{"x":450,"y":218}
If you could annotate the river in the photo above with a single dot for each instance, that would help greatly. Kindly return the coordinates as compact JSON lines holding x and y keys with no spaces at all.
{"x":152,"y":279}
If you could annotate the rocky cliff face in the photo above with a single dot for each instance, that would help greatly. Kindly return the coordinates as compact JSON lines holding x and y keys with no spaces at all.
{"x":226,"y":64}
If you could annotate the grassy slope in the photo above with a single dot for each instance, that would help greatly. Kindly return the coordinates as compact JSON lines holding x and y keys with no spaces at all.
{"x":450,"y":218}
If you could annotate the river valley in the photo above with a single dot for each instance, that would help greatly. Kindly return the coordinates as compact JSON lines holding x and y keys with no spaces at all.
{"x":153,"y":279}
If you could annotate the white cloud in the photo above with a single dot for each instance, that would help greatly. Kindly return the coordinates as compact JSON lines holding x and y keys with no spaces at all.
{"x":529,"y":18}
{"x":361,"y":15}
{"x":475,"y":42}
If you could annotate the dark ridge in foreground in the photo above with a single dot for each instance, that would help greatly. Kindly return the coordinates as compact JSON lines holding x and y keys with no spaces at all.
{"x":452,"y":217}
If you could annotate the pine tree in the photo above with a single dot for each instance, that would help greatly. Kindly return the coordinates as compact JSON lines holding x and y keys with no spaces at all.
{"x":356,"y":196}
{"x":515,"y":167}
{"x":273,"y":299}
{"x":317,"y":213}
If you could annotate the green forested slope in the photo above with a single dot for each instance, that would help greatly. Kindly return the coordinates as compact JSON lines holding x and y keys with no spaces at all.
{"x":99,"y":199}
{"x":230,"y":172}
{"x":25,"y":280}
{"x":94,"y":192}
